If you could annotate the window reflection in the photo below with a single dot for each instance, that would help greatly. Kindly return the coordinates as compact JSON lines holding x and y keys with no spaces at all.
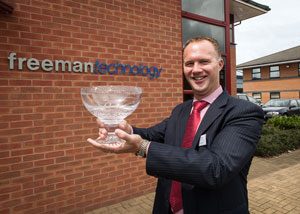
{"x":209,"y":8}
{"x":193,"y":29}
{"x":256,"y":73}
{"x":274,"y":72}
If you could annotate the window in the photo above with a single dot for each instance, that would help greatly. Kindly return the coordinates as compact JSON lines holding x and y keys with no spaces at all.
{"x":274,"y":72}
{"x":257,"y":95}
{"x":299,"y":69}
{"x":294,"y":103}
{"x":193,"y":29}
{"x":239,"y":81}
{"x":231,"y":34}
{"x":275,"y":95}
{"x":239,"y":84}
{"x":256,"y":73}
{"x":207,"y":18}
{"x":209,"y":8}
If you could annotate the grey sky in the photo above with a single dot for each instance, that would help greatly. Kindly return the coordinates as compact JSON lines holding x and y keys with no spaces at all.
{"x":277,"y":30}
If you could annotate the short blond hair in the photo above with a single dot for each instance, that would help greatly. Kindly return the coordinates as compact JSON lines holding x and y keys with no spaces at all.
{"x":204,"y":38}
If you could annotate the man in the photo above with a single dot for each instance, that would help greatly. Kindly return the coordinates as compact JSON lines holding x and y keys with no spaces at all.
{"x":206,"y":171}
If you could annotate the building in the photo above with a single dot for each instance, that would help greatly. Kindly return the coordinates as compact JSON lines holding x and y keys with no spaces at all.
{"x":274,"y":76}
{"x":51,"y":49}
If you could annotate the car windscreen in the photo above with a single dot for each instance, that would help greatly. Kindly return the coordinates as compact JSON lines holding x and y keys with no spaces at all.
{"x":277,"y":103}
{"x":252,"y":100}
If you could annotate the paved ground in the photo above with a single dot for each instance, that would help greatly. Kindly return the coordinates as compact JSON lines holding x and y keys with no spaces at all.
{"x":274,"y":188}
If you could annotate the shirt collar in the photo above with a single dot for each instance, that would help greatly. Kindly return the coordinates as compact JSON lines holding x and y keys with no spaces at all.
{"x":213,"y":96}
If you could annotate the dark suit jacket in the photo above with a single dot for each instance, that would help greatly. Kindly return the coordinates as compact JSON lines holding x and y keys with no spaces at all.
{"x":213,"y":176}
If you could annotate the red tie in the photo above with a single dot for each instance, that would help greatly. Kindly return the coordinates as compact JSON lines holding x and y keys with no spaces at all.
{"x":190,"y":132}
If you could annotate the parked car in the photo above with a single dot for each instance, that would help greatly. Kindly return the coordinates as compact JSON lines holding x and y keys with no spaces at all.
{"x":286,"y":107}
{"x":248,"y":98}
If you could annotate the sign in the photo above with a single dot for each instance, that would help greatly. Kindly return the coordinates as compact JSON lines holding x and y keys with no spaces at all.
{"x":98,"y":67}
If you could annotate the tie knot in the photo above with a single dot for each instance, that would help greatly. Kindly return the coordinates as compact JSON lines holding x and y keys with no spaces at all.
{"x":199,"y":105}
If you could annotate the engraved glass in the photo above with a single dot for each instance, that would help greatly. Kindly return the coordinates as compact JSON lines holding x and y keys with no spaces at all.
{"x":111,"y":104}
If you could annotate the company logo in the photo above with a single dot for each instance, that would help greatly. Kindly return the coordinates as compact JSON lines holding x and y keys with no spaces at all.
{"x":118,"y":68}
{"x":98,"y":67}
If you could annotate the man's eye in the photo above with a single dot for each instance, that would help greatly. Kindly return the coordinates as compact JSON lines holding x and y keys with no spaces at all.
{"x":204,"y":61}
{"x":189,"y":64}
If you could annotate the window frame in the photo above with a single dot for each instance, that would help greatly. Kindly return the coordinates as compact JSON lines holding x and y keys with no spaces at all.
{"x":274,"y":71}
{"x":274,"y":93}
{"x":254,"y":73}
{"x":222,"y":19}
{"x":225,"y":74}
{"x":256,"y":93}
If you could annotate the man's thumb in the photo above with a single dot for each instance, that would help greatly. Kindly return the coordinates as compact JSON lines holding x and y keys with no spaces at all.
{"x":122,"y":135}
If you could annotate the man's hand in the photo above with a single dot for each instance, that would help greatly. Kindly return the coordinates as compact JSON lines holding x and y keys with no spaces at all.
{"x":126,"y":127}
{"x":131,"y":145}
{"x":103,"y":129}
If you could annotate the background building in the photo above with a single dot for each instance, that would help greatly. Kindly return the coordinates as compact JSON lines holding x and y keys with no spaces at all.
{"x":51,"y":49}
{"x":274,"y":76}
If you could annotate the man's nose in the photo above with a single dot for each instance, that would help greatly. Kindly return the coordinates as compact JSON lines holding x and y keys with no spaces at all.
{"x":197,"y":67}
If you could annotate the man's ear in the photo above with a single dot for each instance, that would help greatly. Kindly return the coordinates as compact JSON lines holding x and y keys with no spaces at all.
{"x":221,"y":63}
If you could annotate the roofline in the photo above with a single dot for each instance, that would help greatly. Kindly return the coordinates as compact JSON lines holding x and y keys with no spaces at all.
{"x":253,"y":5}
{"x":267,"y":64}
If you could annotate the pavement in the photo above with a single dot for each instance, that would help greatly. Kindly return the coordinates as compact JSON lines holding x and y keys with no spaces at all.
{"x":273,"y":186}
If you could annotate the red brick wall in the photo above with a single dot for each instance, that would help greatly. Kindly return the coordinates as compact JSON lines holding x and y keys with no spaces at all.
{"x":46,"y":166}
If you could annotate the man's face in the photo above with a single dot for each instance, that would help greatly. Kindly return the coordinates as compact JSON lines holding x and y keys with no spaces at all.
{"x":202,"y":65}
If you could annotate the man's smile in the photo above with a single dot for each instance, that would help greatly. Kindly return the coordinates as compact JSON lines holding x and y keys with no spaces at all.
{"x":198,"y":78}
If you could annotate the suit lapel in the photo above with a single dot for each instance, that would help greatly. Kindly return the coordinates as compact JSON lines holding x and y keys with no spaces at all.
{"x":214,"y":111}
